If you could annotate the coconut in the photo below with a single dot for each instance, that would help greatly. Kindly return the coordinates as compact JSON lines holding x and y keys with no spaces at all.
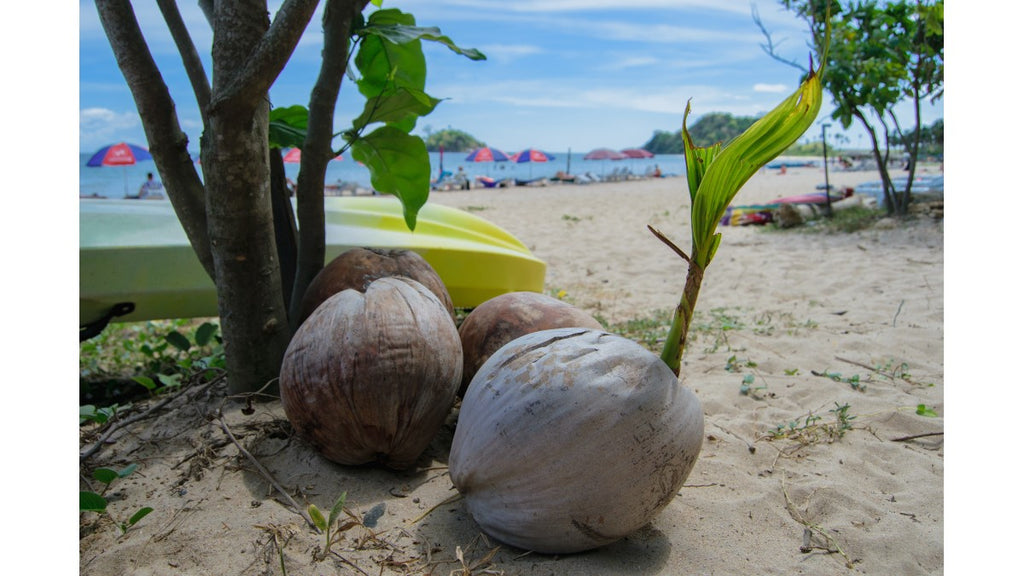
{"x":504,"y":318}
{"x":356,"y":268}
{"x":370,"y":378}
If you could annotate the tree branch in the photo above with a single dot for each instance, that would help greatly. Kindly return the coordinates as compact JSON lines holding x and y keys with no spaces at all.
{"x":189,"y":56}
{"x":167,"y":142}
{"x":317,"y":150}
{"x":269,"y":56}
{"x":769,"y":48}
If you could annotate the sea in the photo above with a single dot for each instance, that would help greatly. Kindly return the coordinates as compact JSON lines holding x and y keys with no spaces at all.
{"x":116,"y":182}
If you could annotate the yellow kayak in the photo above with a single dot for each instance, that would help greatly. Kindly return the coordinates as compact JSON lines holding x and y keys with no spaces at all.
{"x":134,"y":253}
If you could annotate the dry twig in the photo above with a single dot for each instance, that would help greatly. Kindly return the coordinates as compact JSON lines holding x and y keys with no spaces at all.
{"x":266,"y":473}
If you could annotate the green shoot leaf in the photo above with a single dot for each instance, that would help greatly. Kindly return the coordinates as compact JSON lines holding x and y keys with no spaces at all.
{"x":398,"y":165}
{"x":729,"y":169}
{"x":923,"y":410}
{"x":318,"y":517}
{"x":339,"y":505}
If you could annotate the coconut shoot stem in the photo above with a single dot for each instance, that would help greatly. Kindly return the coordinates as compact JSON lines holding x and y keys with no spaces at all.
{"x":672,"y":354}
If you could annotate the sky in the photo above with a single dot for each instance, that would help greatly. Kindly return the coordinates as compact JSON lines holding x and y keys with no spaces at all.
{"x":559,"y":74}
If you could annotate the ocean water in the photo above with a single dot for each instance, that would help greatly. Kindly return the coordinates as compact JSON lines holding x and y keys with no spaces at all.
{"x":115,"y":182}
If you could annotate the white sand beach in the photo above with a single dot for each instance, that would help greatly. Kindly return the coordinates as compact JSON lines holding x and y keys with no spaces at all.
{"x":830,"y":341}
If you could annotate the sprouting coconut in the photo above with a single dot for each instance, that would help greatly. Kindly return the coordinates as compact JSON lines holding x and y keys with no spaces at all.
{"x":570,"y":439}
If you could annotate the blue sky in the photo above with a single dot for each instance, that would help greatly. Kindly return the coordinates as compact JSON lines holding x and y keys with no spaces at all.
{"x":560,"y":74}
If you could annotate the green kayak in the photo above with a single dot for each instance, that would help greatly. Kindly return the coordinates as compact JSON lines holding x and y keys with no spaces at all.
{"x":133,"y":254}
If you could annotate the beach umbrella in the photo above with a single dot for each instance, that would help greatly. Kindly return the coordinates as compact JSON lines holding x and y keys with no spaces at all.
{"x":604,"y":154}
{"x":121,"y":154}
{"x":637,"y":153}
{"x":294,"y":156}
{"x":529,"y":156}
{"x":486,"y":154}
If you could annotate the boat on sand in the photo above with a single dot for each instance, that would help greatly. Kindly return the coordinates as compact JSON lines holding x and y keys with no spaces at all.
{"x":137,"y":264}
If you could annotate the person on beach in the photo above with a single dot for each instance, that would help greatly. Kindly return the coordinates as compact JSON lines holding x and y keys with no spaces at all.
{"x":461,"y":180}
{"x":149,"y":189}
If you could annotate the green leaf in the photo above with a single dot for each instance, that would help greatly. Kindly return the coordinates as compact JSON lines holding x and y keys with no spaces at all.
{"x":384,"y":63}
{"x":400,"y":108}
{"x":743,"y":157}
{"x":923,"y":410}
{"x":337,"y":508}
{"x":145,"y":381}
{"x":139,"y":515}
{"x":398,"y":165}
{"x":105,"y":475}
{"x":205,"y":333}
{"x":91,"y":501}
{"x":288,"y":126}
{"x":178,"y":340}
{"x":405,"y":33}
{"x":317,"y":517}
{"x":169,"y":380}
{"x":89,"y":413}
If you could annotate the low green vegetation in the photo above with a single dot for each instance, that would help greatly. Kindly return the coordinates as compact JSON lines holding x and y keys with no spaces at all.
{"x":90,"y":501}
{"x":814,"y":428}
{"x":130,"y":361}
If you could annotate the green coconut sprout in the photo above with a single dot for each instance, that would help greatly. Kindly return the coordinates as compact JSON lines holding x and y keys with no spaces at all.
{"x":715,"y":174}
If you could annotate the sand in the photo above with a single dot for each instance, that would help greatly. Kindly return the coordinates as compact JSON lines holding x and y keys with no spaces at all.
{"x":819,"y":326}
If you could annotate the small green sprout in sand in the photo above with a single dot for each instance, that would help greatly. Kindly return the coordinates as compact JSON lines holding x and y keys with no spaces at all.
{"x":90,"y":501}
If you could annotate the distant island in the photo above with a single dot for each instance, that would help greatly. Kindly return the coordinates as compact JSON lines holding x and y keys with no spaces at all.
{"x":451,"y":140}
{"x":709,"y":129}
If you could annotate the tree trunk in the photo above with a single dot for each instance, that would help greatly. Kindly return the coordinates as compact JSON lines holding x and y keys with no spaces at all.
{"x":235,"y":156}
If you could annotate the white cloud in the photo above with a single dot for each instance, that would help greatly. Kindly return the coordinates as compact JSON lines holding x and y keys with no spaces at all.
{"x":771,"y":88}
{"x":509,"y":52}
{"x":100,"y":126}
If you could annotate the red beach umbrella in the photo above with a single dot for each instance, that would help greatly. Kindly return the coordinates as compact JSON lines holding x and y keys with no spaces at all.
{"x":637,"y":153}
{"x":121,"y":154}
{"x":604,"y":154}
{"x":487,"y":155}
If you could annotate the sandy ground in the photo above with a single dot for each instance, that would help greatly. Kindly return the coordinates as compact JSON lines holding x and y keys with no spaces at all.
{"x":824,"y":325}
